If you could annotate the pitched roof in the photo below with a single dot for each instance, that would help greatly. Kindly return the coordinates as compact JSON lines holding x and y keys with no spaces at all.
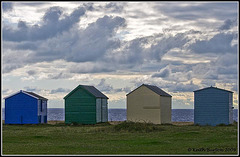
{"x":94,"y":91}
{"x":91,"y":89}
{"x":34,"y":95}
{"x":212,"y":88}
{"x":154,"y":89}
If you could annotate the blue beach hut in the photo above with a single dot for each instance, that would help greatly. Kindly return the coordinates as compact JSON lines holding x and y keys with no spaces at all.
{"x":213,"y":106}
{"x":25,"y":108}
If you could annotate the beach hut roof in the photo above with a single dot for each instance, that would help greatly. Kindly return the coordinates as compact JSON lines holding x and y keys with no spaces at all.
{"x":154,"y":89}
{"x":212,"y":88}
{"x":34,"y":95}
{"x":91,"y":89}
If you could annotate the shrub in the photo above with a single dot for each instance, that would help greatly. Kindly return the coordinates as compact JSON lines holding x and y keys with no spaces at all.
{"x":75,"y":124}
{"x":221,"y":124}
{"x":137,"y":127}
{"x":167,"y":124}
{"x":235,"y":122}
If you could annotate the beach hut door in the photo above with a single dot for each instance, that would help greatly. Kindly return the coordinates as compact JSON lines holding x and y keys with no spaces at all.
{"x":230,"y":109}
{"x":98,"y":110}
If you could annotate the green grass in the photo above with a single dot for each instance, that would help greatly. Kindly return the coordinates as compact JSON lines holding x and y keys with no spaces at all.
{"x":124,"y":138}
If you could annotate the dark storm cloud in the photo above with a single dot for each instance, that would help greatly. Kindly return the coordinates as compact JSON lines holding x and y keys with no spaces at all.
{"x":52,"y":25}
{"x":218,"y":44}
{"x":7,"y":6}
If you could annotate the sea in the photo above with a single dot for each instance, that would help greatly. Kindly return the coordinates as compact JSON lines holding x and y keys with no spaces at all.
{"x":178,"y":115}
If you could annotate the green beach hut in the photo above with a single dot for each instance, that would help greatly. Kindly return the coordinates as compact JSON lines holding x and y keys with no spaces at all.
{"x":86,"y":105}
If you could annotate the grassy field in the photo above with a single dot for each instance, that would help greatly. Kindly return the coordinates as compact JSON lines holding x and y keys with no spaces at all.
{"x":121,"y":138}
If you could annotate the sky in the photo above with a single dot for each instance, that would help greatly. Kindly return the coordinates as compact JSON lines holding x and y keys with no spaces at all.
{"x":51,"y":47}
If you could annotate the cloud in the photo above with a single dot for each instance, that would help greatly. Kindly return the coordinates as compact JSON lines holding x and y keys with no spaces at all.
{"x":145,"y":49}
{"x":208,"y":83}
{"x":109,"y":8}
{"x":174,"y":85}
{"x":196,"y":11}
{"x":59,"y":90}
{"x":7,"y":6}
{"x":89,"y":6}
{"x":107,"y":88}
{"x":104,"y":87}
{"x":50,"y":27}
{"x":180,"y":87}
{"x":94,"y":49}
{"x":90,"y":44}
{"x":91,"y":67}
{"x":162,"y":73}
{"x":211,"y":75}
{"x":218,"y":44}
{"x":31,"y":72}
{"x":232,"y":70}
{"x":228,"y":24}
{"x":235,"y":87}
{"x":96,"y":40}
{"x":115,"y":7}
{"x":6,"y":92}
{"x":32,"y":4}
{"x":228,"y":59}
{"x":224,"y":67}
{"x":60,"y":75}
{"x":32,"y":89}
